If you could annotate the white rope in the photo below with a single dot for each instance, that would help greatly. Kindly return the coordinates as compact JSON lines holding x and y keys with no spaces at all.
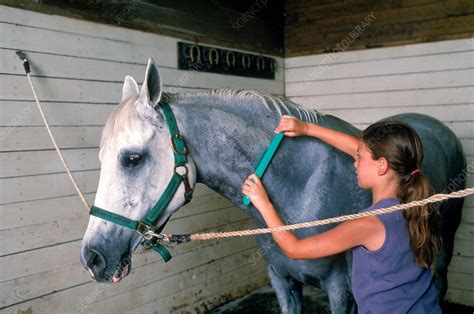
{"x":46,"y":124}
{"x":432,"y":199}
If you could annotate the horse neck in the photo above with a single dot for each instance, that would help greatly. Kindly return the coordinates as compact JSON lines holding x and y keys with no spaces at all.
{"x":225,"y":144}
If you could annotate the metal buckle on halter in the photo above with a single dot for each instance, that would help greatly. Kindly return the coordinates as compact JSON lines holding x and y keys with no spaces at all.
{"x":144,"y":230}
{"x":183,"y":141}
{"x":188,"y":191}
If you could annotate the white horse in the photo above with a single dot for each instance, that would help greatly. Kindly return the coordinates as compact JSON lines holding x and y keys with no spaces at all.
{"x":226,"y":132}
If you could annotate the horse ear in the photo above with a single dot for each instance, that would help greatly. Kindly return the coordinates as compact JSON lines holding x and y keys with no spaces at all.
{"x":151,"y":88}
{"x":150,"y":95}
{"x":129,"y":89}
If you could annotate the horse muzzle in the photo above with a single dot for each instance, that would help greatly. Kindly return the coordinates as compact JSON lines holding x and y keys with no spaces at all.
{"x":95,"y":262}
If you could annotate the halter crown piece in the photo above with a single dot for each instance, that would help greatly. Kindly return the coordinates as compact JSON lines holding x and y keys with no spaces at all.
{"x":146,"y":227}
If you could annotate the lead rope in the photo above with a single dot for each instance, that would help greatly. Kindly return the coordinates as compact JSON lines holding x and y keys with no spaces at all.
{"x":215,"y":235}
{"x":26,"y":66}
{"x":432,"y":199}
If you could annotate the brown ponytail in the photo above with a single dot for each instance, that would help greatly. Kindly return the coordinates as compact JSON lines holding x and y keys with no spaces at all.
{"x":401,"y":146}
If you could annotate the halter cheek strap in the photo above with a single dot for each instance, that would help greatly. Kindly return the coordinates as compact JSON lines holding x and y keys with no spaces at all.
{"x":146,"y":227}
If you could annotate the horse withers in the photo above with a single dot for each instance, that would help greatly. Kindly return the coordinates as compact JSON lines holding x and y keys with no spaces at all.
{"x":226,"y":132}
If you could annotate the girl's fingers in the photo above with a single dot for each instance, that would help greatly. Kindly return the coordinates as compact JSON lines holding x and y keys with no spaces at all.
{"x":255,"y":179}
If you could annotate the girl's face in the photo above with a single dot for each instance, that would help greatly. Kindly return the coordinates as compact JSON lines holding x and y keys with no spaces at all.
{"x":366,"y":168}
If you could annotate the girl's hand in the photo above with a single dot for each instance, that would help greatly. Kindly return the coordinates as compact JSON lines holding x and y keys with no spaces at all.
{"x":256,"y":192}
{"x":291,"y":126}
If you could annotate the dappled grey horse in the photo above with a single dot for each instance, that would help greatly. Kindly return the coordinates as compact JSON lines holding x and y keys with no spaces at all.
{"x":227,"y":131}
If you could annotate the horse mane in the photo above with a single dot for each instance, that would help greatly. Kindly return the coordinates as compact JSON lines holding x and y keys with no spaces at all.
{"x":124,"y":117}
{"x":282,"y":105}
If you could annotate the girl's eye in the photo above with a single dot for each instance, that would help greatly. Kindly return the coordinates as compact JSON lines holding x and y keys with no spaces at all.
{"x":132,"y":160}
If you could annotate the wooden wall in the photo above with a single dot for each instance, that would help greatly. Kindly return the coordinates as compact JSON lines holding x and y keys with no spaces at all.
{"x":366,"y":85}
{"x":253,"y":25}
{"x":78,"y":69}
{"x":319,"y":26}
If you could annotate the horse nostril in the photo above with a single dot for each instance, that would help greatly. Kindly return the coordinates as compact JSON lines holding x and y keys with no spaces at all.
{"x":95,"y":262}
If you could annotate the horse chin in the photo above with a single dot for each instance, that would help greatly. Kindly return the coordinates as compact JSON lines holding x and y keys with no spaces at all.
{"x":121,"y":272}
{"x":124,"y":268}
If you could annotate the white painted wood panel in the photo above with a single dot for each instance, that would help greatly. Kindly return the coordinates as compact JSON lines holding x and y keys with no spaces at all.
{"x":144,"y":265}
{"x":364,"y":86}
{"x":400,"y":52}
{"x":386,"y":67}
{"x":409,"y":81}
{"x":78,"y":68}
{"x":405,"y":98}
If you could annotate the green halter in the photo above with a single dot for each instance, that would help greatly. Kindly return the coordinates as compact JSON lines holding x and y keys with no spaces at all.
{"x":146,"y":227}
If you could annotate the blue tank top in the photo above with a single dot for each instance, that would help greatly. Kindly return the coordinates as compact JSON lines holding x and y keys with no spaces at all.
{"x":388,"y":280}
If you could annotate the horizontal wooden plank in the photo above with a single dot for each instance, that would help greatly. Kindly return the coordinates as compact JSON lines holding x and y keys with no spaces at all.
{"x":462,"y":129}
{"x":20,"y":189}
{"x":465,"y":231}
{"x":56,"y":89}
{"x":468,"y":146}
{"x":401,"y":20}
{"x":43,"y":211}
{"x":328,"y":10}
{"x":36,"y":138}
{"x":25,"y":113}
{"x":424,"y":97}
{"x":64,"y":207}
{"x":79,"y":26}
{"x":468,"y":202}
{"x":224,"y":279}
{"x":28,"y":263}
{"x":50,"y":233}
{"x":461,"y":264}
{"x":227,"y":288}
{"x":148,"y":269}
{"x":29,"y":163}
{"x":464,"y":112}
{"x":63,"y":90}
{"x":69,"y":275}
{"x":45,"y":65}
{"x":447,"y":46}
{"x":468,"y":212}
{"x":460,"y":281}
{"x":463,"y":248}
{"x":458,"y":296}
{"x":449,"y":27}
{"x":429,"y":63}
{"x":86,"y":46}
{"x":449,"y":78}
{"x":161,"y":48}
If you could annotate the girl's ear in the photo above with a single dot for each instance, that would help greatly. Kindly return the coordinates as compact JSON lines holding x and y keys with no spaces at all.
{"x":382,"y":166}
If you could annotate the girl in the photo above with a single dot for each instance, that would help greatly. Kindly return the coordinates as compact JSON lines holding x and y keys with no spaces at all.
{"x":391,"y":252}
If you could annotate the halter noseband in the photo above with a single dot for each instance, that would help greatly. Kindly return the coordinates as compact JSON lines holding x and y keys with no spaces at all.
{"x":146,"y":227}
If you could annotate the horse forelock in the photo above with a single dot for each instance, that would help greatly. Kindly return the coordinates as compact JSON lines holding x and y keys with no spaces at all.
{"x":124,"y":118}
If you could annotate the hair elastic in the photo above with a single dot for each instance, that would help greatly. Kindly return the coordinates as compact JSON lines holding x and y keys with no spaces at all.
{"x":415,"y":172}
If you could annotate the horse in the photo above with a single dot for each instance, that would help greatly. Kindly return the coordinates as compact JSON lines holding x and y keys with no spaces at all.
{"x":226,"y":131}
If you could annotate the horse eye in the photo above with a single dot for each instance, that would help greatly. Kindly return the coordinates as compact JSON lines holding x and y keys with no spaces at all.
{"x":132,"y":160}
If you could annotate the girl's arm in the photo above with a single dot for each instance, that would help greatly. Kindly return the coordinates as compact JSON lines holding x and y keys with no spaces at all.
{"x":368,"y":231}
{"x":342,"y":141}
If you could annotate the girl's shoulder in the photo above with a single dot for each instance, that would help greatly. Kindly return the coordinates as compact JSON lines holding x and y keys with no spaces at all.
{"x":383,"y":203}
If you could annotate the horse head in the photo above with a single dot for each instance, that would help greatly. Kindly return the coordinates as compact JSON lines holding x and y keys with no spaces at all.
{"x":137,"y":162}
